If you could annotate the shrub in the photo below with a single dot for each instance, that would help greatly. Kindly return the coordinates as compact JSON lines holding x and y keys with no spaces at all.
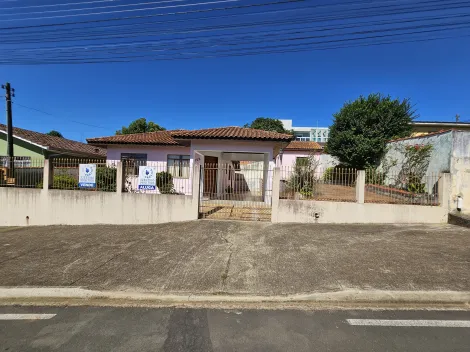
{"x":62,"y":182}
{"x":375,"y":177}
{"x":415,"y":185}
{"x":165,"y":182}
{"x":106,"y":179}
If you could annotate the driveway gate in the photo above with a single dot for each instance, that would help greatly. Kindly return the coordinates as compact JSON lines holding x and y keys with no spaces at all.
{"x":236,"y":191}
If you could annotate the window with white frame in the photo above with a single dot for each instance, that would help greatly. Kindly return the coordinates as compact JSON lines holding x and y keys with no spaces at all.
{"x":178,"y":165}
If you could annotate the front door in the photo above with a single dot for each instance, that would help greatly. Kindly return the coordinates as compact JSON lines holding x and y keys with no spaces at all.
{"x":210,"y":176}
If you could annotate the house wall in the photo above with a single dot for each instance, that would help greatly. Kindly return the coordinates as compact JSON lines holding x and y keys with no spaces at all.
{"x":157,"y":155}
{"x":20,"y":148}
{"x":22,"y":207}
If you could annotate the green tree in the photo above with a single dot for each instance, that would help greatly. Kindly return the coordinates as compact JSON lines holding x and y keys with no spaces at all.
{"x":140,"y":126}
{"x":267,"y":124}
{"x":55,"y":133}
{"x":362,"y":128}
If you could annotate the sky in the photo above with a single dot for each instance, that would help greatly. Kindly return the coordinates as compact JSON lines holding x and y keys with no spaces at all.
{"x":90,"y":100}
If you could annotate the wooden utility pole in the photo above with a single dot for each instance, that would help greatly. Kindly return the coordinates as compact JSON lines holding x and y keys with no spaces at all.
{"x":9,"y":93}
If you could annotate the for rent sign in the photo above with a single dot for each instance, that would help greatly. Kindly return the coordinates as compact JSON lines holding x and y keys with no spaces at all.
{"x":87,"y":176}
{"x":147,"y":178}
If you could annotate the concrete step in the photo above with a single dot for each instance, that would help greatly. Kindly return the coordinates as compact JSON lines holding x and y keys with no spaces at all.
{"x":459,"y":219}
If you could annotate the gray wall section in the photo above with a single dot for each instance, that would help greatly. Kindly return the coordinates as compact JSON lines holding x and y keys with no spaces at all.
{"x":460,"y":169}
{"x":22,"y":207}
{"x":440,"y":157}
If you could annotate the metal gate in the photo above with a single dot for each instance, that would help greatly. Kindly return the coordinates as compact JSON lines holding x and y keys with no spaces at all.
{"x":236,"y":191}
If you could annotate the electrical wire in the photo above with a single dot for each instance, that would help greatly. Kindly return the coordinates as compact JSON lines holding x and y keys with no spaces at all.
{"x":47,"y":113}
{"x":118,"y":11}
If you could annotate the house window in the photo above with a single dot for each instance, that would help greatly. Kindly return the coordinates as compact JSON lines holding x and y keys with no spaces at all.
{"x":132,"y":161}
{"x":301,"y":161}
{"x":178,"y":165}
{"x":20,"y":161}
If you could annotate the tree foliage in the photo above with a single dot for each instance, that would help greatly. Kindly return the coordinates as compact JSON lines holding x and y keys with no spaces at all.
{"x":362,"y":128}
{"x":55,"y":133}
{"x":267,"y":124}
{"x":140,"y":126}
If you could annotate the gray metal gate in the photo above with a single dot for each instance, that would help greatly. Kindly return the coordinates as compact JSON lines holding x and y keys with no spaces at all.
{"x":236,"y":191}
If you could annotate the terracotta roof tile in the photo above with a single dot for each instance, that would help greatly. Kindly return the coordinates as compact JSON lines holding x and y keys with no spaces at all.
{"x":231,"y":133}
{"x":303,"y":145}
{"x":171,"y":137}
{"x":56,"y":143}
{"x":152,"y":138}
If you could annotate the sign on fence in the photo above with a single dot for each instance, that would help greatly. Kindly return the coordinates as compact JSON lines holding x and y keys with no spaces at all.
{"x":147,"y":178}
{"x":87,"y":176}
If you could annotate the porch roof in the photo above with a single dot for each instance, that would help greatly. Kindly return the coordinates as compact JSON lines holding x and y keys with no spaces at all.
{"x":171,"y":138}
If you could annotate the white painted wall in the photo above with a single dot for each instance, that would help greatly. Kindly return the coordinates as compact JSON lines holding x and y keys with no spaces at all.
{"x":303,"y":211}
{"x":56,"y":207}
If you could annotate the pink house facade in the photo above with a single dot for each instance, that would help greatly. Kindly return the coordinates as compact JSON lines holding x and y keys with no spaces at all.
{"x":231,"y":157}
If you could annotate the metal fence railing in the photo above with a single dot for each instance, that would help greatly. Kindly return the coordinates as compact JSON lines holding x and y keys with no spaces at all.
{"x":314,"y":183}
{"x":400,"y":188}
{"x":21,"y":172}
{"x":157,"y":177}
{"x":84,"y":174}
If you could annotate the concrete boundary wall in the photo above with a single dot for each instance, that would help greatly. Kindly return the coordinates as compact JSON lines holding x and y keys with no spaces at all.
{"x":23,"y":207}
{"x":322,"y":212}
{"x":310,"y":211}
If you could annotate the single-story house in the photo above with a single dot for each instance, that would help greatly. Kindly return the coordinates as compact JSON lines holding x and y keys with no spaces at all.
{"x":30,"y":145}
{"x":297,"y":151}
{"x":234,"y":158}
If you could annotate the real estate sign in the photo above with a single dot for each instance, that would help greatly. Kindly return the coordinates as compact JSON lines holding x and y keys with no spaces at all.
{"x":147,"y":178}
{"x":87,"y":176}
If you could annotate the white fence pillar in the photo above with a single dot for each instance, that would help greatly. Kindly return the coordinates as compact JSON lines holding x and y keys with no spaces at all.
{"x":360,"y":186}
{"x":444,"y":190}
{"x":119,"y":177}
{"x":275,"y":196}
{"x":48,"y":175}
{"x":196,"y":194}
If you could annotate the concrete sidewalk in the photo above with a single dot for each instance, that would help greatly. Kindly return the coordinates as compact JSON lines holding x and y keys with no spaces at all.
{"x":237,"y":258}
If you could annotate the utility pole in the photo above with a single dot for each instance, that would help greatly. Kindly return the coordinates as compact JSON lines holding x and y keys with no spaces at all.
{"x":9,"y":93}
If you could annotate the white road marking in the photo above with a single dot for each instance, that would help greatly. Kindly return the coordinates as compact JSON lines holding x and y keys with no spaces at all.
{"x":416,"y":323}
{"x":26,"y":316}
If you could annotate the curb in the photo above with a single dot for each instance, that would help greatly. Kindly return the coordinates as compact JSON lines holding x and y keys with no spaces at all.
{"x":78,"y":295}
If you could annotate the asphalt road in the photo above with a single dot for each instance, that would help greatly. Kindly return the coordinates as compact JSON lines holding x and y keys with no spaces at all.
{"x":167,"y":329}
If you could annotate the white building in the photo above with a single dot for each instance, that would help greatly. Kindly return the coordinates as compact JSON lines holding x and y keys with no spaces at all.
{"x":313,"y":134}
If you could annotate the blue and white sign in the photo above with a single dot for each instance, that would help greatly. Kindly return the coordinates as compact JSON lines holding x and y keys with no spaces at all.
{"x":87,"y":176}
{"x":147,"y":178}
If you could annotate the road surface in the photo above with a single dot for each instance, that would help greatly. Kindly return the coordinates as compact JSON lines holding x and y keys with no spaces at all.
{"x":169,"y":329}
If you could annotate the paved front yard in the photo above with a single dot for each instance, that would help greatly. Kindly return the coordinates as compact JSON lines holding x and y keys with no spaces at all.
{"x":237,"y":257}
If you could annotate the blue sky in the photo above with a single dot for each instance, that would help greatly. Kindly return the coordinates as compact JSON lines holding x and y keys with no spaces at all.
{"x":307,"y":87}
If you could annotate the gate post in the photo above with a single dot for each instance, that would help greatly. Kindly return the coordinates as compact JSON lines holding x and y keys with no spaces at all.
{"x":360,"y":186}
{"x":275,"y":195}
{"x":196,"y":189}
{"x":119,"y":177}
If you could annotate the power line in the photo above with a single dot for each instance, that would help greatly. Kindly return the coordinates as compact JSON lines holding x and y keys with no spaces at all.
{"x":146,"y":43}
{"x":118,"y":11}
{"x":92,"y":8}
{"x":55,"y":5}
{"x":47,"y":113}
{"x":225,"y":53}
